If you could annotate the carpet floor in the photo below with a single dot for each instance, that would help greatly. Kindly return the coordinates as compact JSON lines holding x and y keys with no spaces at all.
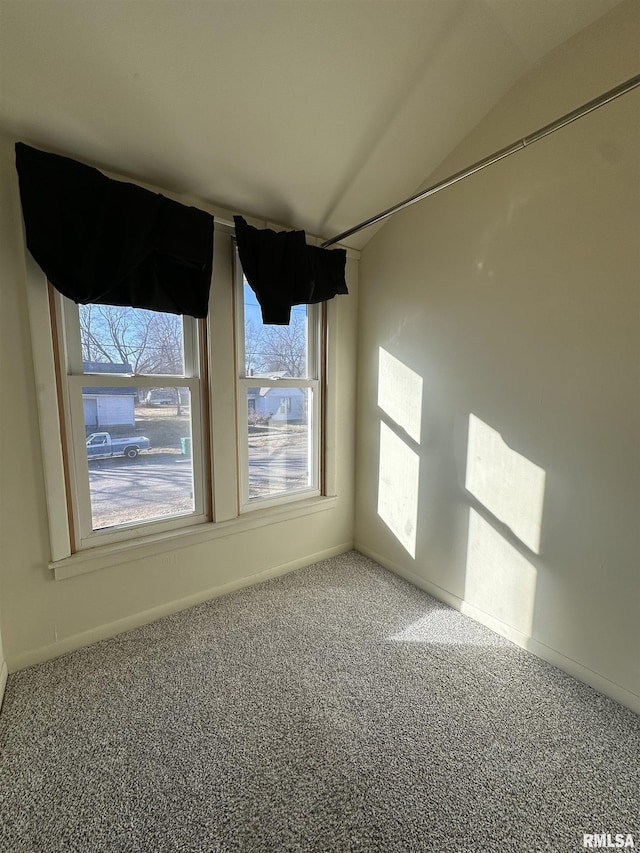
{"x":337,"y":708}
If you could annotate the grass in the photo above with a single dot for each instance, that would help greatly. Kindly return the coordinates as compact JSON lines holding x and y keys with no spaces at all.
{"x":164,"y":429}
{"x":162,"y":426}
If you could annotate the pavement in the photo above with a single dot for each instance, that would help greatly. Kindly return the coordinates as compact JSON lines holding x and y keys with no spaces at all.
{"x":157,"y":484}
{"x":150,"y":486}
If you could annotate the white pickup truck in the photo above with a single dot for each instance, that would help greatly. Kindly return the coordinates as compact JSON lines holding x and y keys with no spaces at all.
{"x":100,"y":445}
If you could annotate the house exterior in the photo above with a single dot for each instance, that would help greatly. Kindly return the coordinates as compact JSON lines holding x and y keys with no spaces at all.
{"x":108,"y":407}
{"x":284,"y":404}
{"x":164,"y":396}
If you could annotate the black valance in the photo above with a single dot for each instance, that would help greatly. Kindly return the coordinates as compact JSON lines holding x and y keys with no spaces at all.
{"x":283,"y":271}
{"x":111,"y":242}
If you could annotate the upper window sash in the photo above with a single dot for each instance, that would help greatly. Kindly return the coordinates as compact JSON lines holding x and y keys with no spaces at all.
{"x":311,"y":367}
{"x":191,"y":331}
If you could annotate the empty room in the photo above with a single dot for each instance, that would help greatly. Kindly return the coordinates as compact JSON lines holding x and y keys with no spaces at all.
{"x":320,"y":467}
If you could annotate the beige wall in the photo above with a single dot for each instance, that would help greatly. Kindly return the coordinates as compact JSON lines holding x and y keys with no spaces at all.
{"x":42,"y":617}
{"x":513,"y":297}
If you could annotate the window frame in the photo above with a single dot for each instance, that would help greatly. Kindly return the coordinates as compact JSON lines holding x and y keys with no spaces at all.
{"x":66,"y":560}
{"x":71,"y":378}
{"x":314,"y":381}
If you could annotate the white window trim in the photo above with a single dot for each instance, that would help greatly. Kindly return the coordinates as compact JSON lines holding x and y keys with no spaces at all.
{"x":105,"y":556}
{"x":44,"y":342}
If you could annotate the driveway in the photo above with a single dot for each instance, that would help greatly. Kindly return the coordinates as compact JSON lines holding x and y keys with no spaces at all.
{"x":150,"y":486}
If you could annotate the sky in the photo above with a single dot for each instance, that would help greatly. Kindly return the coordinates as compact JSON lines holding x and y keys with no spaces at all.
{"x":252,"y":309}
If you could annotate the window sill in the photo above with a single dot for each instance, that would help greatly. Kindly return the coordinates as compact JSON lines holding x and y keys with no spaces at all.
{"x":103,"y":556}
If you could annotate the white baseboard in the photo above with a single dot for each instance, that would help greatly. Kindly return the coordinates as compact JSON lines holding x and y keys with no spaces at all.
{"x":3,"y":680}
{"x":112,"y":629}
{"x":547,"y":653}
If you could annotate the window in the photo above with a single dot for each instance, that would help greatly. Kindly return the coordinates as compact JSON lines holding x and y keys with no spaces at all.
{"x":133,"y":404}
{"x":154,"y":424}
{"x":278,"y":398}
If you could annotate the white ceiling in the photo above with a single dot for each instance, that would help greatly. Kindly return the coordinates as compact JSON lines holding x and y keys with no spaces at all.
{"x":312,"y":113}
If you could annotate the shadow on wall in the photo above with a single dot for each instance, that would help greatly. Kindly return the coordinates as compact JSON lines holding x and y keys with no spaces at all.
{"x":507,"y":497}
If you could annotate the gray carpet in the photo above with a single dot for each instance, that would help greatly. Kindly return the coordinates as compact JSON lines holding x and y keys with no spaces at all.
{"x":335,"y":709}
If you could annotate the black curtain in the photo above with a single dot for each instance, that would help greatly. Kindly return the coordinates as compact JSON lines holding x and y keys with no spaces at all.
{"x":283,"y":271}
{"x":111,"y":242}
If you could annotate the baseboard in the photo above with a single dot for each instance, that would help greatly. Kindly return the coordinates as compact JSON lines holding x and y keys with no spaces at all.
{"x":433,"y":589}
{"x":547,"y":653}
{"x":112,"y":629}
{"x":587,"y":676}
{"x":3,"y":680}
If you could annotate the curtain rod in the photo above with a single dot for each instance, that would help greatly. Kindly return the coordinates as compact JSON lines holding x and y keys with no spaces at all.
{"x":559,"y":123}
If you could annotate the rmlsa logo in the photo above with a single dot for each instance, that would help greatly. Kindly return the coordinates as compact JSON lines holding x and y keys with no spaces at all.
{"x":607,"y":840}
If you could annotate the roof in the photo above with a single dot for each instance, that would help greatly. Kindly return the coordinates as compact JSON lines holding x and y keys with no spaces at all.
{"x":102,"y":367}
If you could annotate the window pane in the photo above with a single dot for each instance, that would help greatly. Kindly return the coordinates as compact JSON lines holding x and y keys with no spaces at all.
{"x":274,"y":351}
{"x":130,"y":340}
{"x":139,"y":450}
{"x":279,"y":433}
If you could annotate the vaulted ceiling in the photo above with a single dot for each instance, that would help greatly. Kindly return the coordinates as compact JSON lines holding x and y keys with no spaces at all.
{"x":312,"y":113}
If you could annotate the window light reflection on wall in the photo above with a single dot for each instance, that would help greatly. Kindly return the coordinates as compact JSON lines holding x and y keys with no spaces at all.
{"x":499,"y":579}
{"x":400,"y":399}
{"x":400,"y":393}
{"x":505,"y":482}
{"x":398,"y":488}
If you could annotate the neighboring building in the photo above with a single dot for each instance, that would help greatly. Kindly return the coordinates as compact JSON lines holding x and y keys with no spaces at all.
{"x":165,"y":396}
{"x":108,"y":407}
{"x":277,"y":404}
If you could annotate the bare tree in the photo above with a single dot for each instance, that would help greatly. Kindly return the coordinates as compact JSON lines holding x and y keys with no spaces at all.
{"x":253,"y":342}
{"x":148,"y":341}
{"x":95,"y":343}
{"x":164,"y":343}
{"x":284,"y":348}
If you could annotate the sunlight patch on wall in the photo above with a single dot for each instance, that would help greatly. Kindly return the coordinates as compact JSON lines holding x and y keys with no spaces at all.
{"x":398,"y":482}
{"x":499,"y":580}
{"x":400,"y":393}
{"x":505,"y":482}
